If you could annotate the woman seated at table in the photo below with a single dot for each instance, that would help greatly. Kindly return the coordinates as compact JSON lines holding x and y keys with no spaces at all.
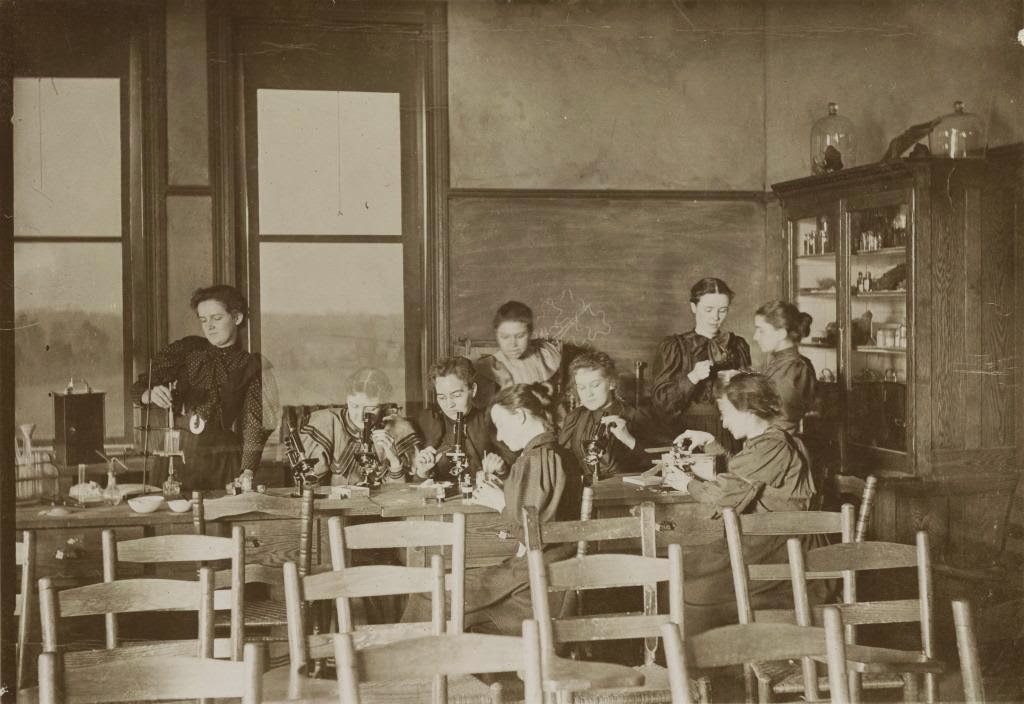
{"x":224,"y":398}
{"x":687,"y":364}
{"x":592,"y":377}
{"x":778,"y":328}
{"x":770,"y":473}
{"x":452,"y":379}
{"x":333,"y":435}
{"x":544,"y":476}
{"x":520,"y":358}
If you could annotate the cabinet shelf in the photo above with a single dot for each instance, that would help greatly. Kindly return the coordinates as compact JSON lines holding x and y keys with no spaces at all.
{"x":817,"y":345}
{"x":820,"y":257}
{"x":817,"y":294}
{"x":884,"y":252}
{"x":870,"y":349}
{"x":880,"y":294}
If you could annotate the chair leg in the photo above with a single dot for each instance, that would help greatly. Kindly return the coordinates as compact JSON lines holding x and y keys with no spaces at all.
{"x":750,"y":684}
{"x":855,"y":687}
{"x":764,"y":691}
{"x":931,"y":688}
{"x":910,"y":689}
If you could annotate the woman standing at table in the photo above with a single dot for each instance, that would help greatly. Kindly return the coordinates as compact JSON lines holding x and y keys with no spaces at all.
{"x":687,"y":364}
{"x":223,"y":397}
{"x":778,"y":328}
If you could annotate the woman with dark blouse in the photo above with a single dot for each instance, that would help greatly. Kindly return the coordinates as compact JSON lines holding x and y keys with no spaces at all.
{"x":223,"y":397}
{"x":770,"y":473}
{"x":778,"y":328}
{"x":687,"y":364}
{"x":544,"y":476}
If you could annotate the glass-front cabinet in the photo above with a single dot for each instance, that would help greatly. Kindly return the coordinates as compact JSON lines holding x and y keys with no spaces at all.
{"x":906,"y":269}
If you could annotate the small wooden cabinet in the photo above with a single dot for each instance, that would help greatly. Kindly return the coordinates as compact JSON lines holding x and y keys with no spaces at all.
{"x":909,"y":270}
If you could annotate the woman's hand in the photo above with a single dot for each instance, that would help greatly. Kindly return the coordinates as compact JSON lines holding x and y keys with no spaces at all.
{"x":383,"y":441}
{"x":700,"y":372}
{"x":159,"y":395}
{"x":680,"y":481}
{"x":617,"y":426}
{"x":489,"y":494}
{"x":492,"y":465}
{"x":697,"y":438}
{"x":425,"y":461}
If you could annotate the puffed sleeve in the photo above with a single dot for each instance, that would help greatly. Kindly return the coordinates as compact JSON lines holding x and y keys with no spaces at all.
{"x":541,"y":484}
{"x":406,"y":439}
{"x":168,"y":366}
{"x":254,"y":436}
{"x":742,"y":352}
{"x":672,"y":391}
{"x":762,"y":462}
{"x":795,"y":383}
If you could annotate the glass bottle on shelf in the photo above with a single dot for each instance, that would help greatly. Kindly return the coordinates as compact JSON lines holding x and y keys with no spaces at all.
{"x":960,"y":135}
{"x":832,"y":143}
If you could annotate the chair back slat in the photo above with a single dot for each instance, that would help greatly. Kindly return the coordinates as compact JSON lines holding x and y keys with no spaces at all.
{"x":369,"y":580}
{"x":455,"y":654}
{"x":861,"y":556}
{"x":588,"y":628}
{"x":792,"y":523}
{"x":130,"y":596}
{"x":166,"y":648}
{"x":175,"y":548}
{"x":607,"y":570}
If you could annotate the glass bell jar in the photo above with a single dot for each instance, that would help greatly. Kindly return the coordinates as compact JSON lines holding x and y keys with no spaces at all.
{"x":959,"y":135}
{"x":833,"y":143}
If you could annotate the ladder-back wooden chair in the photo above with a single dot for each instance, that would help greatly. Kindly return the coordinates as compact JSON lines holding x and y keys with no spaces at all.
{"x":599,"y":572}
{"x":740,"y":644}
{"x":166,"y":678}
{"x":455,"y":654}
{"x":199,"y":549}
{"x":404,"y":535}
{"x":850,"y":558}
{"x":777,"y":677}
{"x":268,"y":611}
{"x":25,"y":602}
{"x":128,"y":596}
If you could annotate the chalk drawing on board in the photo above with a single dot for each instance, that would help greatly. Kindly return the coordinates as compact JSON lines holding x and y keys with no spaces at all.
{"x":573,"y":320}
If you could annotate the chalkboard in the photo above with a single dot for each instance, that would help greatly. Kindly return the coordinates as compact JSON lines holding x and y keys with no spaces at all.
{"x":610,"y":272}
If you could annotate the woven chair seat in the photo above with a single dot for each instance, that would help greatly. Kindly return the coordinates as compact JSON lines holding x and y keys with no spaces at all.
{"x":258,"y":613}
{"x":655,"y":690}
{"x":786,"y":677}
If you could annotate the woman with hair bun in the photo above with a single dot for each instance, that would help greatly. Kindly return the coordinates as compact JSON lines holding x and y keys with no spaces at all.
{"x":688,"y":364}
{"x":778,"y":328}
{"x":544,"y":476}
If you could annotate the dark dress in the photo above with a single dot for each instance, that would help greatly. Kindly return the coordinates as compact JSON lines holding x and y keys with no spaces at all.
{"x":225,"y":387}
{"x":770,"y":473}
{"x":438,"y":431}
{"x":498,"y":597}
{"x":794,"y":378}
{"x":578,"y":429}
{"x":681,"y":405}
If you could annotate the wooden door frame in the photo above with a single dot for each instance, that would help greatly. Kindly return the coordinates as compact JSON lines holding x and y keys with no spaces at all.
{"x":232,"y":258}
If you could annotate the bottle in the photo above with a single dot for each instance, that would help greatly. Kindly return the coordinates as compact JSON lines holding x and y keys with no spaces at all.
{"x":112,"y":494}
{"x":70,"y":388}
{"x":832,"y":143}
{"x":826,"y":246}
{"x":867,"y":282}
{"x":860,"y":282}
{"x":171,"y":487}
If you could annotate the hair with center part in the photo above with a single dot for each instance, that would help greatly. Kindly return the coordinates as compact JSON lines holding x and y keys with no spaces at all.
{"x":710,"y":285}
{"x":515,"y":312}
{"x":531,"y":398}
{"x":228,"y":296}
{"x":752,"y":393}
{"x":598,"y":361}
{"x":785,"y":315}
{"x":372,"y":382}
{"x":451,"y":366}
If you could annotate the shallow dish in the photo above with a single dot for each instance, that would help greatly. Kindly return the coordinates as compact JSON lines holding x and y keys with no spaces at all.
{"x":145,"y":504}
{"x":179,"y":505}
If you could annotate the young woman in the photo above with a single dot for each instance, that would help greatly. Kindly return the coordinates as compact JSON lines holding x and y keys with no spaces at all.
{"x":224,"y":398}
{"x":778,"y":328}
{"x":452,"y":380}
{"x":770,"y":473}
{"x":688,"y":364}
{"x":544,"y":476}
{"x":333,"y":435}
{"x":593,"y":378}
{"x":520,"y":359}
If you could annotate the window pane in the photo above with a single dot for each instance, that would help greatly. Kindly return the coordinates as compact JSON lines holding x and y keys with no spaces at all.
{"x":327,"y":310}
{"x":329,"y":163}
{"x":67,"y":157}
{"x":68,"y":323}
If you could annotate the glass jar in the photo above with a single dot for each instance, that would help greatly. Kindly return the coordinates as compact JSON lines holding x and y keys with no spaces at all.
{"x":959,"y":135}
{"x":833,"y":143}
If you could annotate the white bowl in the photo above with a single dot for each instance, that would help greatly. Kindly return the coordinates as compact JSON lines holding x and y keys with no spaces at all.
{"x":145,"y":504}
{"x":180,"y":505}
